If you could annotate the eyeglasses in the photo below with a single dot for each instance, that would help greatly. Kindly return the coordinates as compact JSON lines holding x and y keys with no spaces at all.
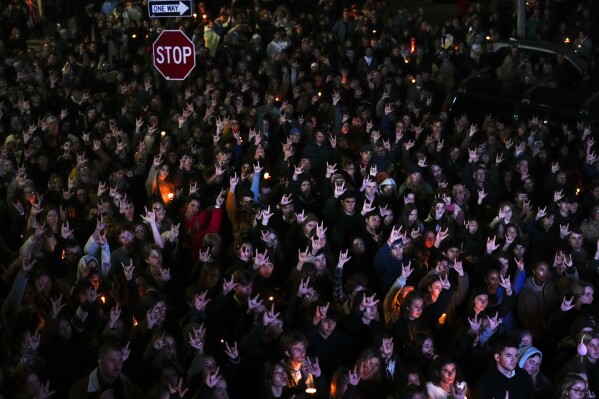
{"x":580,"y":391}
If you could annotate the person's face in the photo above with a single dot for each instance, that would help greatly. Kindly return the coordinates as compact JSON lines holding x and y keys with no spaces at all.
{"x":575,"y":240}
{"x":52,"y":218}
{"x":159,"y":311}
{"x":593,"y":350}
{"x":415,"y":309}
{"x":519,"y":251}
{"x":442,"y":267}
{"x":479,"y":175}
{"x":193,"y":207}
{"x":32,"y":385}
{"x":159,"y":210}
{"x":369,"y":313}
{"x":358,"y":246}
{"x":561,"y":178}
{"x":429,"y":239}
{"x":373,"y":222}
{"x":169,"y":347}
{"x":435,"y":289}
{"x":111,"y":364}
{"x":279,"y":377}
{"x":414,"y":379}
{"x":547,"y":221}
{"x":305,"y":187}
{"x":348,"y":205}
{"x":507,"y":359}
{"x":587,"y":296}
{"x":507,"y":211}
{"x":480,"y":302}
{"x":287,"y":210}
{"x":365,"y":156}
{"x":243,"y":292}
{"x":579,"y":390}
{"x":370,"y":188}
{"x":540,"y":272}
{"x":64,"y":329}
{"x":220,"y":390}
{"x":416,"y":177}
{"x":439,"y":208}
{"x":492,"y":280}
{"x":154,"y":259}
{"x":326,"y":327}
{"x":447,"y":373}
{"x":296,"y":353}
{"x":369,"y":368}
{"x":319,"y":137}
{"x":397,"y":251}
{"x":311,"y":225}
{"x":266,"y":270}
{"x":169,"y":376}
{"x":532,"y":364}
{"x":428,"y":348}
{"x":564,"y":207}
{"x":413,"y":216}
{"x":504,"y":263}
{"x":72,"y":254}
{"x":43,"y":285}
{"x":163,"y":172}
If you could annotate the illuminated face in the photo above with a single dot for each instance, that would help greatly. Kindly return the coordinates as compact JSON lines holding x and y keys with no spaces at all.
{"x":370,"y":189}
{"x":296,"y":353}
{"x":447,"y":373}
{"x":429,"y":239}
{"x":507,"y":359}
{"x":593,"y":350}
{"x":435,"y":289}
{"x":369,"y":368}
{"x":480,"y":302}
{"x":279,"y":377}
{"x":428,"y":348}
{"x":415,"y":309}
{"x":575,"y":240}
{"x":587,"y":296}
{"x":193,"y":207}
{"x":578,"y":390}
{"x":532,"y":364}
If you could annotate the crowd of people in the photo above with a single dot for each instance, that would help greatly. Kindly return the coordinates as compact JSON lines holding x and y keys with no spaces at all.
{"x":300,"y":217}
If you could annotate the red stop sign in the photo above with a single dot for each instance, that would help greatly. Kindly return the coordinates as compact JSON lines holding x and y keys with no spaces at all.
{"x":174,"y":54}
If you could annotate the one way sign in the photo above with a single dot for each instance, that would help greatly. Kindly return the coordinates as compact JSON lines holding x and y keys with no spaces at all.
{"x":169,"y":8}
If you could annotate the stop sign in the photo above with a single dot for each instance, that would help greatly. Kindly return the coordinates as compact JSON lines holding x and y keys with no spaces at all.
{"x":174,"y":54}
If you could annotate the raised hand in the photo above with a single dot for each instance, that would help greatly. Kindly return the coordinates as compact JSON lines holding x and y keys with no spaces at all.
{"x":494,"y":321}
{"x":128,"y":269}
{"x":567,"y":304}
{"x":269,"y":315}
{"x":343,"y":258}
{"x":475,"y":324}
{"x":231,"y":351}
{"x":254,"y":303}
{"x":115,"y":314}
{"x":491,"y":244}
{"x":201,"y":300}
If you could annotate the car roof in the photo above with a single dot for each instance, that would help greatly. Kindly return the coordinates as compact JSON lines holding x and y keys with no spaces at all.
{"x":576,"y":58}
